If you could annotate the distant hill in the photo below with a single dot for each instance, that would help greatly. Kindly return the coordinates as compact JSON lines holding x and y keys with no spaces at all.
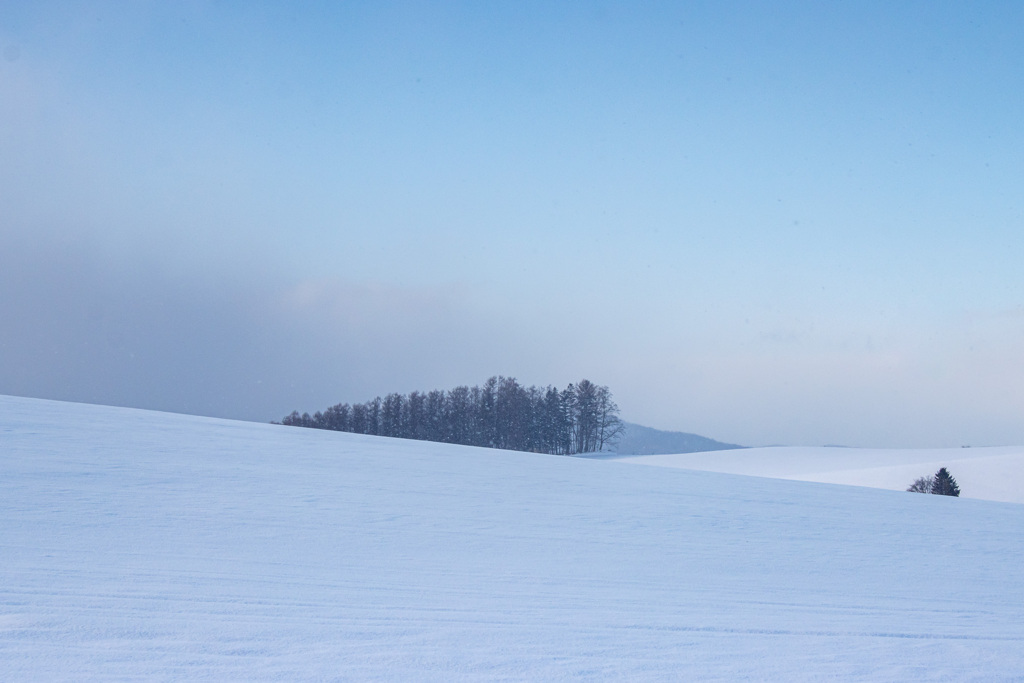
{"x":639,"y":440}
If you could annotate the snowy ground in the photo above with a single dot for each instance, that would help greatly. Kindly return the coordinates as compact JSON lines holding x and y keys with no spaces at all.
{"x":982,"y":473}
{"x":140,"y":545}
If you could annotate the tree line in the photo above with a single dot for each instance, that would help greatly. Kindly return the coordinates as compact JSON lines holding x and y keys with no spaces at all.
{"x":582,"y":418}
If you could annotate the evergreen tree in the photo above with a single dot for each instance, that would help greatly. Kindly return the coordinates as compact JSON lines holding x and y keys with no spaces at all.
{"x":944,"y":484}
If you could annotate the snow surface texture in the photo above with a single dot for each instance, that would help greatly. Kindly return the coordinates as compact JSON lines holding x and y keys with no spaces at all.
{"x":141,"y":545}
{"x":982,"y":473}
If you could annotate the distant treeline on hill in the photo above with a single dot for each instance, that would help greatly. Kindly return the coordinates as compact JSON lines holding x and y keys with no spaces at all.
{"x":581,"y":418}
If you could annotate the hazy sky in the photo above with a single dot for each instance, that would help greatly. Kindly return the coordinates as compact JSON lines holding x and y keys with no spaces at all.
{"x":796,"y":223}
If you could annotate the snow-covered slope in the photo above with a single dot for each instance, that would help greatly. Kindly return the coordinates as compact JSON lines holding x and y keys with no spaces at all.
{"x":983,"y":473}
{"x":139,"y":545}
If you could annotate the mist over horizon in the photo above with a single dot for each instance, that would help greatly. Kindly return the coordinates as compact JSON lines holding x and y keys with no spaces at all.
{"x":793,"y":225}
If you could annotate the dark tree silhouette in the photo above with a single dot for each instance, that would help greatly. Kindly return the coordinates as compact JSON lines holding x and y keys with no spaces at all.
{"x":944,"y":484}
{"x":502,"y":414}
{"x":921,"y":485}
{"x":941,"y":483}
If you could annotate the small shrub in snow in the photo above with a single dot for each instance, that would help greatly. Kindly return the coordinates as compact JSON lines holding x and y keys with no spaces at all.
{"x":921,"y":485}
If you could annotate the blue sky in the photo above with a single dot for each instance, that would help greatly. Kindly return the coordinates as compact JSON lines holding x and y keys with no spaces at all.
{"x":794,"y":223}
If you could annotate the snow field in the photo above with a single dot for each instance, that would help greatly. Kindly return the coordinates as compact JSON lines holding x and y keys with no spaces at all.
{"x":983,"y":473}
{"x":142,"y":545}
